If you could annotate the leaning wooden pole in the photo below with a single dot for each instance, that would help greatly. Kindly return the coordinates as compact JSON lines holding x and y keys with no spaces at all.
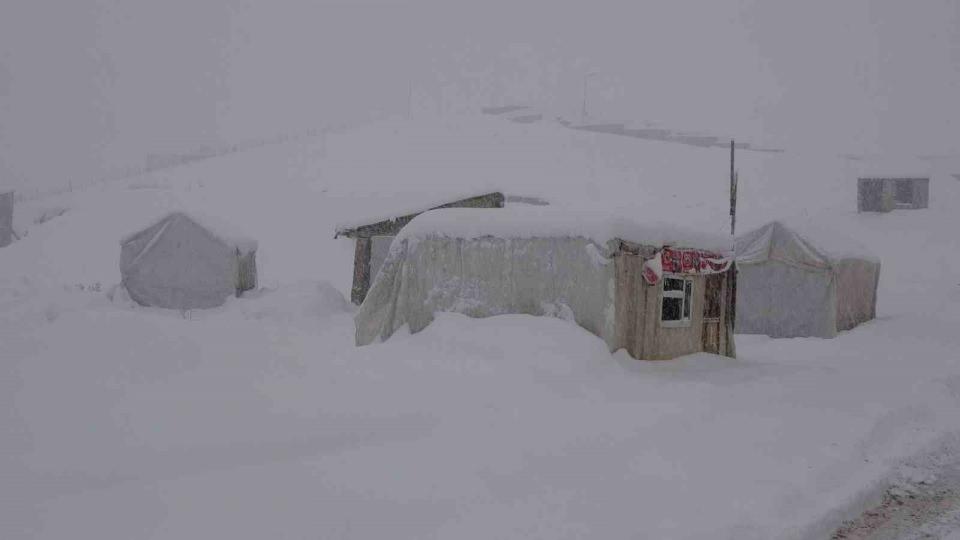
{"x":732,"y":273}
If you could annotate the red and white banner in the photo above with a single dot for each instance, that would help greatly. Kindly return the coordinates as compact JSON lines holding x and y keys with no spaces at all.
{"x":684,"y":261}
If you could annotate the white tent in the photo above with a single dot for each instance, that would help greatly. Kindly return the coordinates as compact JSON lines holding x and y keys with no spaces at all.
{"x":182,"y":262}
{"x":790,"y":286}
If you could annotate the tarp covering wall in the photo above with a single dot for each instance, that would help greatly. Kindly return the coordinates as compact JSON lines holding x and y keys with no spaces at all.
{"x":790,"y":287}
{"x":178,"y":263}
{"x":567,"y":277}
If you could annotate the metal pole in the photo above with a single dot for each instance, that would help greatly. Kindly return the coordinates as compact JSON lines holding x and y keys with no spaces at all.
{"x":733,"y":191}
{"x":732,"y":273}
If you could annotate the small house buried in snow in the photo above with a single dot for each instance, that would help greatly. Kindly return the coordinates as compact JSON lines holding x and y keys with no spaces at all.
{"x":884,"y":194}
{"x":373,"y":240}
{"x":6,"y":218}
{"x":182,"y":262}
{"x":656,"y":291}
{"x":791,"y":286}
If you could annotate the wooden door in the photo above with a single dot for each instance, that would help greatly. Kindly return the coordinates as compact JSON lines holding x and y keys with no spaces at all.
{"x":712,"y":310}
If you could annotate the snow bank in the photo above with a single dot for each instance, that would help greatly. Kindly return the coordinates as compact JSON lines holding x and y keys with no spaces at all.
{"x":545,"y":222}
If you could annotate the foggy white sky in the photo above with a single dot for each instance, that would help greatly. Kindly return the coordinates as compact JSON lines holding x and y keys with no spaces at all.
{"x":90,"y":85}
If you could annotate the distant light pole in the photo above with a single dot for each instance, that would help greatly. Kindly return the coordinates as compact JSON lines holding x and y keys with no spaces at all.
{"x":583,"y":113}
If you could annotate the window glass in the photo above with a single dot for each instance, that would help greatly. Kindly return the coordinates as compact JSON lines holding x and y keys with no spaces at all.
{"x":676,"y":299}
{"x":671,"y":309}
{"x":672,"y":284}
{"x":903,"y":192}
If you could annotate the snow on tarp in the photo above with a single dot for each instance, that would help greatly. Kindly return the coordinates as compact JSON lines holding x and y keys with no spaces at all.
{"x":802,"y":244}
{"x":546,"y":222}
{"x":226,"y":232}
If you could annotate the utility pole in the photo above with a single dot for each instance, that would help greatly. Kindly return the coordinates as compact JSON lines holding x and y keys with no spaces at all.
{"x":732,"y":272}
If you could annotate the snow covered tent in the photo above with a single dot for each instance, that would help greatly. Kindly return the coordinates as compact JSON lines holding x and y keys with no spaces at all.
{"x":6,"y":218}
{"x":657,"y":291}
{"x":182,"y":262}
{"x":789,"y":286}
{"x":373,"y":240}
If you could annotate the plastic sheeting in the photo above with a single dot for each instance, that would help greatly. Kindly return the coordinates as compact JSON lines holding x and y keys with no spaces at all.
{"x":789,"y":287}
{"x":570,"y":278}
{"x":177,"y":263}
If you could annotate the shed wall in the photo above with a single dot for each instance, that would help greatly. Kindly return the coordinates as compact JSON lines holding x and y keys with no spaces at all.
{"x":638,"y":326}
{"x":6,"y":218}
{"x":665,"y":342}
{"x":856,"y":284}
{"x":921,"y":193}
{"x":887,"y":201}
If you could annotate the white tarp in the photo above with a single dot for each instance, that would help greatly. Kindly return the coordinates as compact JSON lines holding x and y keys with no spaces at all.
{"x":569,"y":278}
{"x":183,"y":262}
{"x":787,"y":286}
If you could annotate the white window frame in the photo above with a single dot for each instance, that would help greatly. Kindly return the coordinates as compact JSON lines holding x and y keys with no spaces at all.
{"x":682,"y":322}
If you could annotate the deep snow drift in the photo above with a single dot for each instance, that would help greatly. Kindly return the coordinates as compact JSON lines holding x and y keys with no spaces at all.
{"x":261,"y":419}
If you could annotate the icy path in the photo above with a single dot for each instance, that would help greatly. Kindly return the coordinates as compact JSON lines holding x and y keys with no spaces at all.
{"x":922,"y":502}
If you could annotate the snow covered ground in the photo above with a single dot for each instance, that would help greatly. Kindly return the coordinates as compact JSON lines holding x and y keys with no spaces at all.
{"x":260,"y":419}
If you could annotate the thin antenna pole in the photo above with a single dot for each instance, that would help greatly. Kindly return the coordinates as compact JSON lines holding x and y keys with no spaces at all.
{"x":733,"y":191}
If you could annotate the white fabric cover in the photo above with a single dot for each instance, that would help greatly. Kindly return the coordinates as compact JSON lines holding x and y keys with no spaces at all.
{"x":567,"y":277}
{"x":177,"y":263}
{"x":379,"y":250}
{"x":789,"y":287}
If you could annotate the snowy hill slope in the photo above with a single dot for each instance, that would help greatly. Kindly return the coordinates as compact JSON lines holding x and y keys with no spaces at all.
{"x":261,"y":419}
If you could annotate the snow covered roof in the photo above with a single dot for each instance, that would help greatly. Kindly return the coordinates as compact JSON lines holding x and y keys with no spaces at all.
{"x":225,"y":232}
{"x":892,"y":167}
{"x":378,"y":208}
{"x":803,"y":244}
{"x":546,"y":222}
{"x":397,"y":168}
